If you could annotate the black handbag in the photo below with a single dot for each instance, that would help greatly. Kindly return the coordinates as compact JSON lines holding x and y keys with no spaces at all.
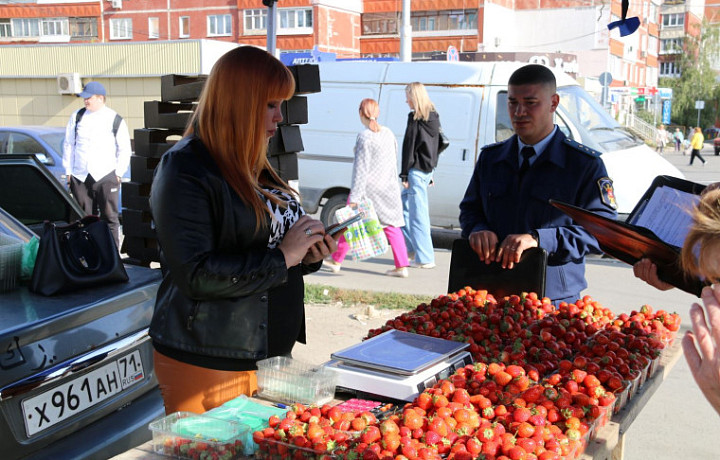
{"x":76,"y":256}
{"x":443,"y":142}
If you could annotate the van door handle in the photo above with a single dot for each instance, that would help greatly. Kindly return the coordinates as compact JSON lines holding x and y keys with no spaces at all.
{"x":464,"y":154}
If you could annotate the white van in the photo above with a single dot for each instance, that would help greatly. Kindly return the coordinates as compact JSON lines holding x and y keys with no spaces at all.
{"x":471,"y":100}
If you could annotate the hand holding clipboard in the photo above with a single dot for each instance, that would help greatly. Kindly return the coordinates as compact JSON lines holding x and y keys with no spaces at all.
{"x":631,"y":243}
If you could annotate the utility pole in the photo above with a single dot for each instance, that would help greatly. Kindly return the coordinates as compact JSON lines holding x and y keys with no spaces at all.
{"x":406,"y":33}
{"x":271,"y":26}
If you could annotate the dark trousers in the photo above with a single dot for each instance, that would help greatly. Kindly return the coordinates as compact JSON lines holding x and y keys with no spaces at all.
{"x":696,"y":153}
{"x":100,"y":198}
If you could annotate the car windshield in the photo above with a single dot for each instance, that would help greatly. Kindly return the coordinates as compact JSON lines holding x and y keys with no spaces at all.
{"x":598,"y":130}
{"x":55,"y":140}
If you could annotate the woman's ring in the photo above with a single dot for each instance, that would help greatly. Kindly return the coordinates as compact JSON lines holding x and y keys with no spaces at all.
{"x":308,"y":231}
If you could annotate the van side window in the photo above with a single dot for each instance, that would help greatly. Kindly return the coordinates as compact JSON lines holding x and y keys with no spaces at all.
{"x":503,"y":125}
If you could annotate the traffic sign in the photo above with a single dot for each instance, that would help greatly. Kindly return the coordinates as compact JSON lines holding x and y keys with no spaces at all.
{"x":452,"y":54}
{"x":699,"y":105}
{"x":605,"y":78}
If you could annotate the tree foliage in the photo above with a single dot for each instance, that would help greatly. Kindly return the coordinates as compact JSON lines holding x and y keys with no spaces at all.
{"x":698,"y":79}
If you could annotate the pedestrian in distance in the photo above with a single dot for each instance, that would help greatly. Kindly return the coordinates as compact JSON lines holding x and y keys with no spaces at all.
{"x":661,"y":139}
{"x":375,"y":177}
{"x":696,"y":143}
{"x":506,"y":211}
{"x":96,"y":154}
{"x":700,"y":256}
{"x":235,"y":241}
{"x":679,"y":139}
{"x":419,"y":159}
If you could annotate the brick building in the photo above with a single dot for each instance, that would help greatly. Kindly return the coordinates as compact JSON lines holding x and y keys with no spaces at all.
{"x":361,"y":28}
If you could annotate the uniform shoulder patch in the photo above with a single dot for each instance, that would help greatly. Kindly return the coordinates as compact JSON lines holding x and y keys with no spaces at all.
{"x":582,"y":148}
{"x":607,"y":193}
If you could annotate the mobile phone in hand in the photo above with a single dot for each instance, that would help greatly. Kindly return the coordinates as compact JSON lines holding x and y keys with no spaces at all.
{"x":342,"y":226}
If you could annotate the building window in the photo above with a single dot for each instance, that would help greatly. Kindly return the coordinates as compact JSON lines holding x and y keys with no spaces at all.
{"x":669,"y":69}
{"x":444,"y":20}
{"x":255,"y":20}
{"x":5,"y":29}
{"x":25,"y":27}
{"x":153,"y":27}
{"x":83,"y":28}
{"x":295,"y":19}
{"x":380,"y":23}
{"x":54,"y":27}
{"x":672,"y":20}
{"x":121,"y":29}
{"x":671,"y":45}
{"x":184,"y":26}
{"x":652,"y":17}
{"x":219,"y":25}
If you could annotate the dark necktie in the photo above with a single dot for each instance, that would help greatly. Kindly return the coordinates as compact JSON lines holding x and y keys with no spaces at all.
{"x":527,"y":153}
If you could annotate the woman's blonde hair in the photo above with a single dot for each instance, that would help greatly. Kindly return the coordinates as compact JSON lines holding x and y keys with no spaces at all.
{"x":370,"y":109}
{"x":230,"y":121}
{"x":421,"y":101}
{"x":703,"y":237}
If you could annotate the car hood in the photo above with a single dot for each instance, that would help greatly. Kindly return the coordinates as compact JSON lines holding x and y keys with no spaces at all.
{"x":632,"y":171}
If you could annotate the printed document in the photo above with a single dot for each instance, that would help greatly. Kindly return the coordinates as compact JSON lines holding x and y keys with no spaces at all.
{"x":668,"y":214}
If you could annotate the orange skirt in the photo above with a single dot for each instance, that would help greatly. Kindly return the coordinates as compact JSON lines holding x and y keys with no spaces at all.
{"x":185,"y":387}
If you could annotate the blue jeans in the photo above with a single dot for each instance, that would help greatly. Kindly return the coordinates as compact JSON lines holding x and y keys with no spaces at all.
{"x":417,"y":217}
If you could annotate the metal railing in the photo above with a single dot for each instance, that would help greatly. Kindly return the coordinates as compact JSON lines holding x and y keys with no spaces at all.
{"x":640,"y":127}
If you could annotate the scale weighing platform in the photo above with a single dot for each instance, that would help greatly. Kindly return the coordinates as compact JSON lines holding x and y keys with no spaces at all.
{"x":396,"y":364}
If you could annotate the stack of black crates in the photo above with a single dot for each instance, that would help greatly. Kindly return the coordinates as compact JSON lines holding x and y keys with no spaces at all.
{"x":165,"y":121}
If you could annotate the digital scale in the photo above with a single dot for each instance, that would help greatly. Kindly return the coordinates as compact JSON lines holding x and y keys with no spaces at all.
{"x":397,"y":365}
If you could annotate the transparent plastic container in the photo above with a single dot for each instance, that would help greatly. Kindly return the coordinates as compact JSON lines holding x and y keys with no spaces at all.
{"x":289,"y":381}
{"x":634,"y":387}
{"x":184,"y":434}
{"x":621,"y":398}
{"x":10,"y":260}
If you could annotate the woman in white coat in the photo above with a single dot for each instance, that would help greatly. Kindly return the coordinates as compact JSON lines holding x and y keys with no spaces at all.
{"x":375,"y":177}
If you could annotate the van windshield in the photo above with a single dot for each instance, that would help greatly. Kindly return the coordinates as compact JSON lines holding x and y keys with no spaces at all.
{"x":593,"y":126}
{"x":598,"y":130}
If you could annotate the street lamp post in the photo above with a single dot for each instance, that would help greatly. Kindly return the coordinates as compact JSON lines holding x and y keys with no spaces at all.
{"x":405,"y":33}
{"x":271,"y":26}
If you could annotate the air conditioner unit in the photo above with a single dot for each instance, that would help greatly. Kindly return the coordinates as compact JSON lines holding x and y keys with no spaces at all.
{"x":117,"y":4}
{"x":69,"y":83}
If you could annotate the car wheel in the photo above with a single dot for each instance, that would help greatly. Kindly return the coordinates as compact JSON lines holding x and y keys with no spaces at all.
{"x":335,"y":202}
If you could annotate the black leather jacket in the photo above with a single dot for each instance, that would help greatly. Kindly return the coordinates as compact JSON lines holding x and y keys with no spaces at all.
{"x":219,"y":275}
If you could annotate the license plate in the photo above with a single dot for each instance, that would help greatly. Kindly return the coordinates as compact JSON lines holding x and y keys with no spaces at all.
{"x":66,"y":400}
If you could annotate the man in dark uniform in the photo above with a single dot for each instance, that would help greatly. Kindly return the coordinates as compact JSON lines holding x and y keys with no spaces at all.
{"x":505,"y":209}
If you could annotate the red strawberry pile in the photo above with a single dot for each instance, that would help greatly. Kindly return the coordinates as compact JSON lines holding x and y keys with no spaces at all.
{"x":543,"y":379}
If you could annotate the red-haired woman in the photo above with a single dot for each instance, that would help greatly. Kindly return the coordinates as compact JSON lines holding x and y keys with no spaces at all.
{"x":235,"y":241}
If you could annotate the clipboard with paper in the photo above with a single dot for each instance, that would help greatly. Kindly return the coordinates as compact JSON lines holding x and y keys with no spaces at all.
{"x":655,"y":229}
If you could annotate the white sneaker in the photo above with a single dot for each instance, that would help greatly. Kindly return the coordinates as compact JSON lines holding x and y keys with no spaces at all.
{"x":419,"y":265}
{"x":332,"y":265}
{"x":401,"y":272}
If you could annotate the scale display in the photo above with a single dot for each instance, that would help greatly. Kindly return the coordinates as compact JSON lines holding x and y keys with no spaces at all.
{"x":399,"y":352}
